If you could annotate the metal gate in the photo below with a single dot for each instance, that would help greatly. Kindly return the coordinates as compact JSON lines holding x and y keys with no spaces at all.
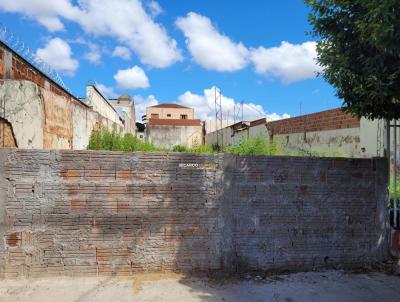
{"x":393,"y":137}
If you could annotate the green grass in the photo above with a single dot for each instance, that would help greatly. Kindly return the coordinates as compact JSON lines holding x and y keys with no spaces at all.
{"x":105,"y":139}
{"x":202,"y":149}
{"x":254,"y":146}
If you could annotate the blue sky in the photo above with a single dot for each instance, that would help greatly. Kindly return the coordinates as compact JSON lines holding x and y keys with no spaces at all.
{"x":258,"y":52}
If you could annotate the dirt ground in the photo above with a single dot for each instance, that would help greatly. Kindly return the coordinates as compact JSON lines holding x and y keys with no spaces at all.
{"x":312,"y":286}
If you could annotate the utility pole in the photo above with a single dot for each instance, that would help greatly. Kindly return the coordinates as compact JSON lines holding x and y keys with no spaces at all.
{"x":218,"y":117}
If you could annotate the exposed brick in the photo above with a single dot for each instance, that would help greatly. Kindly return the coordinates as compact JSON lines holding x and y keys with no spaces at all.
{"x":320,"y":121}
{"x":83,"y":212}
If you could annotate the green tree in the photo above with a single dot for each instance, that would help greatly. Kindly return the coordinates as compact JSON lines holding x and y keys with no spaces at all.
{"x":359,"y":50}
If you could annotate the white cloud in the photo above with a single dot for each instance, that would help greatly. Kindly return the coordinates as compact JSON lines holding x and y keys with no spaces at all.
{"x":107,"y":90}
{"x":94,"y":53}
{"x":47,"y":13}
{"x":288,"y":62}
{"x":274,"y":116}
{"x":131,"y":78}
{"x":210,"y":48}
{"x":122,"y":52}
{"x":155,"y":8}
{"x":125,"y":20}
{"x":204,"y":107}
{"x":57,"y":53}
{"x":93,"y":56}
{"x":141,"y":103}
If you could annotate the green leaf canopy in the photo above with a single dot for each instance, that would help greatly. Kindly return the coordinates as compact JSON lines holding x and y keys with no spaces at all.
{"x":359,"y":50}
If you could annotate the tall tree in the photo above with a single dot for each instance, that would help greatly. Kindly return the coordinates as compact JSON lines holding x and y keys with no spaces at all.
{"x":359,"y":49}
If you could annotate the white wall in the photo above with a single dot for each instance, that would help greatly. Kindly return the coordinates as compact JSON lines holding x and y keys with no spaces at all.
{"x":99,"y":104}
{"x":169,"y":136}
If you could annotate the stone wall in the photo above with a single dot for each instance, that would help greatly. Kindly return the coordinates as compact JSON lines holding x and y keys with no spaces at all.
{"x":82,"y":212}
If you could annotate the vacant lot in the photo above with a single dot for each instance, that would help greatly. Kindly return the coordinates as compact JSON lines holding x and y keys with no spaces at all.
{"x":321,"y":286}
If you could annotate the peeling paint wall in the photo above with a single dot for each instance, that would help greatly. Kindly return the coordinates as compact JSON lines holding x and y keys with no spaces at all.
{"x":104,"y":213}
{"x":41,"y":113}
{"x":341,"y":142}
{"x":330,"y":133}
{"x":7,"y":139}
{"x":366,"y":140}
{"x":42,"y":119}
{"x":23,"y":107}
{"x":58,"y":126}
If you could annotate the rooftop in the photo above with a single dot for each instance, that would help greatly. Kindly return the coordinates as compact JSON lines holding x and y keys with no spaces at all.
{"x":169,"y":106}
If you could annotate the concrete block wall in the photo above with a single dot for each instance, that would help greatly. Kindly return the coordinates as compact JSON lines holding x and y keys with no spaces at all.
{"x":82,"y":212}
{"x":295,"y":213}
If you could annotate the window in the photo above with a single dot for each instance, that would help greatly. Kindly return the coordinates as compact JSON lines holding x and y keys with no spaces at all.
{"x":168,"y":115}
{"x":183,"y":116}
{"x":154,"y":115}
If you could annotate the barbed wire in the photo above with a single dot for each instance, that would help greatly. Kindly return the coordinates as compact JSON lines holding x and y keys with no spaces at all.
{"x":17,"y":45}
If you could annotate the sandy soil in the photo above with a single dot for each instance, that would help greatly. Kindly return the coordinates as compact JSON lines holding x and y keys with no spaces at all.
{"x":322,"y":286}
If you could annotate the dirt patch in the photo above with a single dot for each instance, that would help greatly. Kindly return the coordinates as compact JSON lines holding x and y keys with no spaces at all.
{"x":141,"y":278}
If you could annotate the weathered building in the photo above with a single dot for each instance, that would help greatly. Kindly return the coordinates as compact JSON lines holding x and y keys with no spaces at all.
{"x":38,"y":113}
{"x":99,"y":103}
{"x":331,"y":132}
{"x":170,"y":111}
{"x":233,"y":134}
{"x":125,"y":107}
{"x":169,"y":125}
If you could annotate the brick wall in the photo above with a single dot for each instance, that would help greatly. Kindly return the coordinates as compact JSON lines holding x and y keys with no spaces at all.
{"x":319,"y":121}
{"x":84,"y":212}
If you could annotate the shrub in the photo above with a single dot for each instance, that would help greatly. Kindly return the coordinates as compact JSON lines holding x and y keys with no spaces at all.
{"x":203,"y":149}
{"x":180,"y":148}
{"x":105,"y":139}
{"x":254,"y":146}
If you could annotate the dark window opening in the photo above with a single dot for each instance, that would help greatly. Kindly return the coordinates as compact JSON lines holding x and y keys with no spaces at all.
{"x":183,"y":116}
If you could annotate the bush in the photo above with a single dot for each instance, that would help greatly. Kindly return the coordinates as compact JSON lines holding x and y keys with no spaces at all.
{"x":180,"y":148}
{"x":254,"y":146}
{"x":202,"y":149}
{"x":105,"y":139}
